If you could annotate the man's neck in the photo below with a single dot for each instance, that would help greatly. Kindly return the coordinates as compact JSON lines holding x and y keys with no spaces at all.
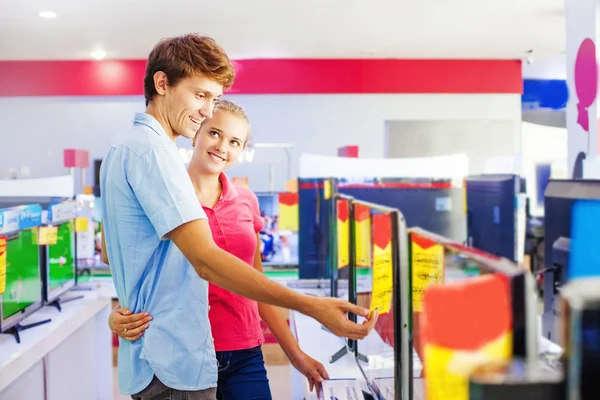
{"x":161,"y":116}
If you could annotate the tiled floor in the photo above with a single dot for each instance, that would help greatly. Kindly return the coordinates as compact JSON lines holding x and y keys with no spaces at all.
{"x":279,"y":379}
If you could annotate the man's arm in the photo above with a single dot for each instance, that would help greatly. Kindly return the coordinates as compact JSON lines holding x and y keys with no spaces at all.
{"x":194,"y":239}
{"x":165,"y":192}
{"x":103,"y":246}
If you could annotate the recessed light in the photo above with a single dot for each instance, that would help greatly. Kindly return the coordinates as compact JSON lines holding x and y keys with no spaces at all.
{"x":98,"y":54}
{"x":47,"y":14}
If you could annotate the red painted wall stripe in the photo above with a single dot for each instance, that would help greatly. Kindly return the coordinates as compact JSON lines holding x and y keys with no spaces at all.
{"x":272,"y":76}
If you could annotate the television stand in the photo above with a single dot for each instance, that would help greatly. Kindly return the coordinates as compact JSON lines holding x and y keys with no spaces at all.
{"x":18,"y":328}
{"x":345,"y":350}
{"x":57,"y":303}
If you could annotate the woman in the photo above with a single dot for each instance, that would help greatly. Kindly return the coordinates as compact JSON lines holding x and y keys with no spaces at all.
{"x":236,"y":222}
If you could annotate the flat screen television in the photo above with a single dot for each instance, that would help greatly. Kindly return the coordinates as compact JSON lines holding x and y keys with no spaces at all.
{"x":379,"y":355}
{"x":559,"y":200}
{"x":59,"y":264}
{"x":432,"y":204}
{"x":492,"y":219}
{"x":23,"y":288}
{"x":316,"y":205}
{"x":377,"y":252}
{"x":279,"y":236}
{"x":466,"y":318}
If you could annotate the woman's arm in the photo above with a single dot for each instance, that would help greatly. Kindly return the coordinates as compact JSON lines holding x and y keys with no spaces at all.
{"x":128,"y":326}
{"x":312,"y":369}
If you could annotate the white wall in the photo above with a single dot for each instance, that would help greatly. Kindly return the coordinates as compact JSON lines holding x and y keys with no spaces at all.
{"x":478,"y":139}
{"x":35,"y":130}
{"x":538,"y":144}
{"x":552,"y":66}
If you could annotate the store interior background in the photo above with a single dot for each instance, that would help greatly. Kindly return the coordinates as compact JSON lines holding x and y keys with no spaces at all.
{"x":316,"y":123}
{"x":529,"y":34}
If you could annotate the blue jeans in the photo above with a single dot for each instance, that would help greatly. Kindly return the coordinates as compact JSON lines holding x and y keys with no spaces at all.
{"x":242,"y":375}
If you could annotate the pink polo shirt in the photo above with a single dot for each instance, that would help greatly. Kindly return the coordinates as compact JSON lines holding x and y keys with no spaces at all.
{"x":234,"y":221}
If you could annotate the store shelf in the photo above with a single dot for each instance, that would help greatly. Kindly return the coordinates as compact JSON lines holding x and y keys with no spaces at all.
{"x":55,"y":186}
{"x":76,"y":339}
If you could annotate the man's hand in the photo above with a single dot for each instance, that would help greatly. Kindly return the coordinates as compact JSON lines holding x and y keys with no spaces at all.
{"x":331,"y":312}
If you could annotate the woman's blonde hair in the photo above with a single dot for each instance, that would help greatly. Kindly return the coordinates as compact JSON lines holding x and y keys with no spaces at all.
{"x":233,"y":108}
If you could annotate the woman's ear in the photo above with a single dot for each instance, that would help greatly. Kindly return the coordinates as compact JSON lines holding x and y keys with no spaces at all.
{"x":194,"y":139}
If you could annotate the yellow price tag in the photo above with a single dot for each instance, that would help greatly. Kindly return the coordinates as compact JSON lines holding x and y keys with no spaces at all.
{"x":47,"y":235}
{"x":327,"y":190}
{"x":81,"y":224}
{"x":288,"y":212}
{"x":364,"y":237}
{"x":342,"y":226}
{"x":2,"y":264}
{"x":383,"y":283}
{"x":464,"y":193}
{"x":427,"y":268}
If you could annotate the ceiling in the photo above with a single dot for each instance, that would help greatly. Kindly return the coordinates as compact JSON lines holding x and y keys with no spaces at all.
{"x":286,"y":29}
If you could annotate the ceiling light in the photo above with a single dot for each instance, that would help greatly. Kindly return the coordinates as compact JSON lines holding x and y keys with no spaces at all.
{"x":98,"y":54}
{"x":47,"y":14}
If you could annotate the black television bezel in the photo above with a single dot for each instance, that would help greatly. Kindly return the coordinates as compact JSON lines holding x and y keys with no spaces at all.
{"x":51,"y":295}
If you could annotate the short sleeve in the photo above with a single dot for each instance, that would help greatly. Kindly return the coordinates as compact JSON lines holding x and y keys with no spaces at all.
{"x":258,"y":221}
{"x":163,"y":188}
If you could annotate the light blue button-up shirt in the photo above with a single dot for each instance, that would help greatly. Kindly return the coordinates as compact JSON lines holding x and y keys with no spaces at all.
{"x":146,"y":193}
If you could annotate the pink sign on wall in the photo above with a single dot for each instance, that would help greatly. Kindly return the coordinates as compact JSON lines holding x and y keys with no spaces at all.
{"x":582,"y":79}
{"x":586,"y":81}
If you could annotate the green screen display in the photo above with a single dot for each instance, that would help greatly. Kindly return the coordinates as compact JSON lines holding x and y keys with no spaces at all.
{"x":23,"y":283}
{"x":61,"y":257}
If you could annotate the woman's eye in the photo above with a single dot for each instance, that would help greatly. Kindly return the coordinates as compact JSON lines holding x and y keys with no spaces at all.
{"x":200,"y":95}
{"x":235,"y":144}
{"x":214,"y":133}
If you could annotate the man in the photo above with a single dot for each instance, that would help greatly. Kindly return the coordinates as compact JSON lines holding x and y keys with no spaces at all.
{"x":159,"y":244}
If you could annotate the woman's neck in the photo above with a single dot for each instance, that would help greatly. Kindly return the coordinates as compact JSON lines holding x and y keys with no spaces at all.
{"x":208,"y":186}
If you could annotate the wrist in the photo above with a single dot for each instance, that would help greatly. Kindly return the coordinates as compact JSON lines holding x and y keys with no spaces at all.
{"x":306,"y":304}
{"x":294,"y":354}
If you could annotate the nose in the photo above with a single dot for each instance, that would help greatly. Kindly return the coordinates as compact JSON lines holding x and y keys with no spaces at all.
{"x":207,"y":110}
{"x":220,"y":146}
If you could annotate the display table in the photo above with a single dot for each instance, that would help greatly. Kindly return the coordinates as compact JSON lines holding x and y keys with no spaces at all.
{"x":68,"y":358}
{"x":320,"y":345}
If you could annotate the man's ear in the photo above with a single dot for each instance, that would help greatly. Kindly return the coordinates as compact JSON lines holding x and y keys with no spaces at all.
{"x":160,"y":83}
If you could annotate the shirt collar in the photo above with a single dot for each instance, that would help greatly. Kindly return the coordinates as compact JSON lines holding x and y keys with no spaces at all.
{"x":229,"y":191}
{"x":150,"y":122}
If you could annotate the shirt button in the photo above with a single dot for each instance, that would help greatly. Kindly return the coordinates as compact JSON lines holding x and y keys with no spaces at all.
{"x":213,"y":339}
{"x":208,"y":308}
